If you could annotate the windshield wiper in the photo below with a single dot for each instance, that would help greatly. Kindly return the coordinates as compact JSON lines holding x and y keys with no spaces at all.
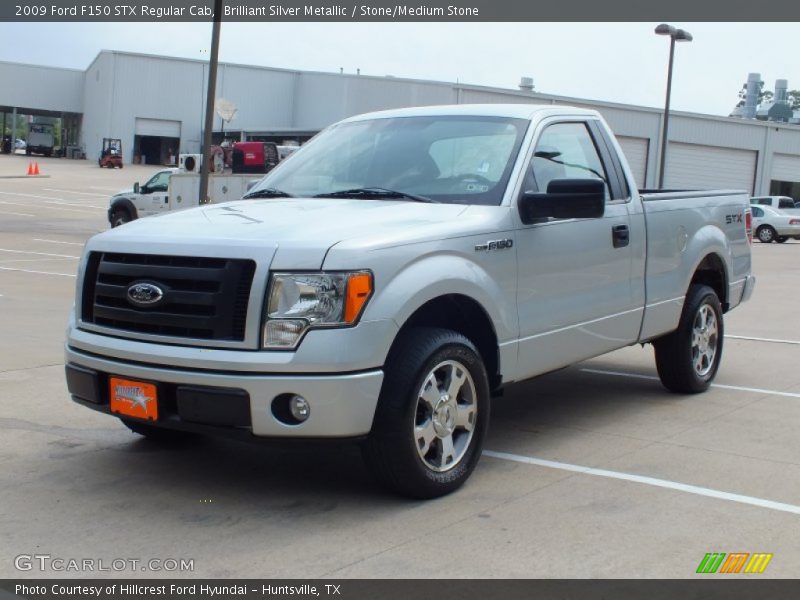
{"x":267,"y":193}
{"x":376,"y":193}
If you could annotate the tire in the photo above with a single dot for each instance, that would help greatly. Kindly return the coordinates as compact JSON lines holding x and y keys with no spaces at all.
{"x":688,"y":358}
{"x":120,"y":216}
{"x":408,"y":449}
{"x":157,"y":434}
{"x":781,"y":239}
{"x":27,"y":152}
{"x":766,"y":234}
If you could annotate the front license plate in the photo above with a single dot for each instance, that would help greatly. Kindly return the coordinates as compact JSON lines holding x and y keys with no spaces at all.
{"x":133,"y":398}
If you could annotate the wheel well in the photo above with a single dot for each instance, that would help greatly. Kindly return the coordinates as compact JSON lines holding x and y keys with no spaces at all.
{"x":711,"y":272}
{"x":467,"y":317}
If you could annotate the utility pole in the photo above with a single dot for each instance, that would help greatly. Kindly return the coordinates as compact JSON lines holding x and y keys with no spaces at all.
{"x":212,"y":90}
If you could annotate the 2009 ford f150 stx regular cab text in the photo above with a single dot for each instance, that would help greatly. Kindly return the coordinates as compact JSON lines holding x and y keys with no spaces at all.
{"x":386,"y":280}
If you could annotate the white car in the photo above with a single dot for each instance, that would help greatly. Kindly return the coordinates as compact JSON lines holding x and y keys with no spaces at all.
{"x":771,"y":225}
{"x":777,"y":202}
{"x":20,"y":144}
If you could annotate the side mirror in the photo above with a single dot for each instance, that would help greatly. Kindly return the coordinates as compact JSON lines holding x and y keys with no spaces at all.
{"x":565,"y":199}
{"x":136,"y":188}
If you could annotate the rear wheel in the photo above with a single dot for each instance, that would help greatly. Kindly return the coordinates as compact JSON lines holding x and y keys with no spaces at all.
{"x":766,"y":234}
{"x":432,"y":414}
{"x":120,"y":216}
{"x":781,"y":239}
{"x":688,"y":358}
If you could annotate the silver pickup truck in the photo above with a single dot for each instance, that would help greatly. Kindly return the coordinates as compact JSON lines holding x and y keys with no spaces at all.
{"x":387,"y":280}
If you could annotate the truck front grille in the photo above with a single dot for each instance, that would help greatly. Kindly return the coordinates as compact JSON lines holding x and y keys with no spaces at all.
{"x":203,"y":298}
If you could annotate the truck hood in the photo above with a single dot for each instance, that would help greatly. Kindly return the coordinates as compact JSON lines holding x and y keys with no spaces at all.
{"x":300,"y":230}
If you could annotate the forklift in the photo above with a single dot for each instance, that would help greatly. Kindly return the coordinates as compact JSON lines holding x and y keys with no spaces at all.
{"x":111,"y":156}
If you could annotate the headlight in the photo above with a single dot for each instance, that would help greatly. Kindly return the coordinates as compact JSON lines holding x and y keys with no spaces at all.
{"x":298,"y":302}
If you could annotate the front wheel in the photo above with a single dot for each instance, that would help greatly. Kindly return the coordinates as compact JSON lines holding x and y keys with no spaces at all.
{"x":688,"y":358}
{"x":432,"y":414}
{"x":120,"y":216}
{"x":766,"y":234}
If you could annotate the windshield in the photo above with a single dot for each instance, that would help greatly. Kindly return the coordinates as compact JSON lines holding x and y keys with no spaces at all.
{"x":454,"y":159}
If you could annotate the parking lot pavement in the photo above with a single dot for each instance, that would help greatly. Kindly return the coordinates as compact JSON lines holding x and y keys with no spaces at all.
{"x":592,"y":471}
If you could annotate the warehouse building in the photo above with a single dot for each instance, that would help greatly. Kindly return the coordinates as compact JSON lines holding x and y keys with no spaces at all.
{"x":155,"y":105}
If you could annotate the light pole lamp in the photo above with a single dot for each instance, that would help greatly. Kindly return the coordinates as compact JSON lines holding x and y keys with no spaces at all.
{"x":675,"y":35}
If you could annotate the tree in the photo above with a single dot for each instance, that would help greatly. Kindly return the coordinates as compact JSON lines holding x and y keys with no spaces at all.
{"x":794,"y":99}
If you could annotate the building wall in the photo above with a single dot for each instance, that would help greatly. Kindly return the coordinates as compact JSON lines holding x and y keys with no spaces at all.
{"x":119,"y":87}
{"x":41,"y":88}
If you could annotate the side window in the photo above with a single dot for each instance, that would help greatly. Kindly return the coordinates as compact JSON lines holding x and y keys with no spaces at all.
{"x":757,"y":212}
{"x":764,"y":201}
{"x":159,"y":183}
{"x":785,"y":203}
{"x":565,"y":151}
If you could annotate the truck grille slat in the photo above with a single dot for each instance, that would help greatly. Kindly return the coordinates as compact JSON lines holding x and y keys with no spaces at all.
{"x":203,"y":298}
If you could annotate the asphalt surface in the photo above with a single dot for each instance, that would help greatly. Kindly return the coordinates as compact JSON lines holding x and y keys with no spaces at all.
{"x":593,"y":471}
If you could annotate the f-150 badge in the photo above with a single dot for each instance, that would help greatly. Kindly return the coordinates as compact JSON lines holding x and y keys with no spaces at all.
{"x":494,"y":245}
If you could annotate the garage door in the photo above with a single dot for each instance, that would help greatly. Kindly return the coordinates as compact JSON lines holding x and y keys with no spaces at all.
{"x":785,"y":167}
{"x":635,"y":150}
{"x":158,"y":127}
{"x":696,"y":167}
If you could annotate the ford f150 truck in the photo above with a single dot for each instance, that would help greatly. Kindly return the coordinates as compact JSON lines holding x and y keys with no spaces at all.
{"x":390,"y":279}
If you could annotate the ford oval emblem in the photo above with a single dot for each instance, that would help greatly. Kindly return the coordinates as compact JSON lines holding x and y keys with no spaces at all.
{"x":145,"y":294}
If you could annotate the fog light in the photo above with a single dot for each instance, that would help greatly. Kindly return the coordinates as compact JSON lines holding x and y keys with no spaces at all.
{"x":299,"y":408}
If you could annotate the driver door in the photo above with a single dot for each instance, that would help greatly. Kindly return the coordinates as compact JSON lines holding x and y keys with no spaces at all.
{"x":575,"y":285}
{"x":155,"y":198}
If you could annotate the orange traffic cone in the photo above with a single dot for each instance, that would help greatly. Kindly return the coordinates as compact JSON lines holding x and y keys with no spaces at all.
{"x":30,"y":168}
{"x":36,"y":168}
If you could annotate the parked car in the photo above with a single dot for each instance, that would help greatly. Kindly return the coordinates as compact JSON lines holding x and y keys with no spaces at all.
{"x":20,"y":144}
{"x":778,"y":202}
{"x":389,"y":279}
{"x":772,"y":225}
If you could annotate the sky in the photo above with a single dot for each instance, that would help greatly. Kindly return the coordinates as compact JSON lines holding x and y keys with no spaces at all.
{"x":618,"y":62}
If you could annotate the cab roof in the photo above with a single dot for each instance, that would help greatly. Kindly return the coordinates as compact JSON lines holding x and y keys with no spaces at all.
{"x":515,"y":111}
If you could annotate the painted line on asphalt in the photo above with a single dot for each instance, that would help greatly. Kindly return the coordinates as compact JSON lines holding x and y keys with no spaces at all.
{"x":652,"y":481}
{"x":36,"y":272}
{"x":57,"y":242}
{"x":8,"y":212}
{"x":102,"y":187}
{"x":760,"y":339}
{"x":51,"y":200}
{"x":74,"y":192}
{"x":56,"y":207}
{"x":721,"y":386}
{"x":38,"y":253}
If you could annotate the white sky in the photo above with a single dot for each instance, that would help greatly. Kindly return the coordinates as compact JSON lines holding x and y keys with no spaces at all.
{"x":621,"y":62}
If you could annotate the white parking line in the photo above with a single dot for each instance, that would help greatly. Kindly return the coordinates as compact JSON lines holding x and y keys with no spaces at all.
{"x":102,"y":187}
{"x":714,"y":385}
{"x":50,"y":200}
{"x":57,"y":207}
{"x":8,"y":212}
{"x":758,"y":339}
{"x":73,"y":192}
{"x":38,"y":253}
{"x":58,"y":242}
{"x":653,"y":481}
{"x":37,"y":272}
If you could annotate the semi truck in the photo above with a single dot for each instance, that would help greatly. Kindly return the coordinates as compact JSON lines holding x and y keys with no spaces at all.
{"x":41,"y":139}
{"x":390,"y":280}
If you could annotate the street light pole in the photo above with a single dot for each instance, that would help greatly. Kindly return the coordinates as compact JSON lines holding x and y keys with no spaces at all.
{"x":675,"y":35}
{"x":210,"y":95}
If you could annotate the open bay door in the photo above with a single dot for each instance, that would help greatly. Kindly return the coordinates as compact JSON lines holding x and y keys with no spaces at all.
{"x":157,"y":141}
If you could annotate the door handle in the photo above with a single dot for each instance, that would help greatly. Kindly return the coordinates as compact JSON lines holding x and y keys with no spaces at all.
{"x":620,"y":236}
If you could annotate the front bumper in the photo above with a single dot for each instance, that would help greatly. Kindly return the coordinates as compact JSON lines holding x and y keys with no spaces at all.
{"x":342,"y":405}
